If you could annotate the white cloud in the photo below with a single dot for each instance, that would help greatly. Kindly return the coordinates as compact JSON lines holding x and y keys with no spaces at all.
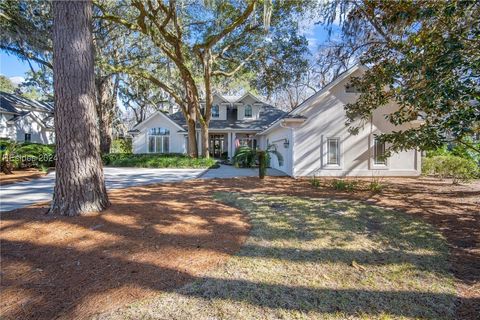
{"x":17,"y":80}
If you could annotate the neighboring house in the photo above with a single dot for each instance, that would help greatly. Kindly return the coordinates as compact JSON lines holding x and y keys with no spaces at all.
{"x":312,"y":139}
{"x":25,"y":120}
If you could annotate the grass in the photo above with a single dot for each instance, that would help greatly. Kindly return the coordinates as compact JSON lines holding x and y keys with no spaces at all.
{"x":156,"y":161}
{"x":318,"y":259}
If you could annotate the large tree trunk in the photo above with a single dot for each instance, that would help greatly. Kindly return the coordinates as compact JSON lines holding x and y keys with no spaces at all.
{"x":106,"y":107}
{"x":204,"y":118}
{"x":191,"y":118}
{"x":192,"y":139}
{"x":204,"y":139}
{"x":79,"y":183}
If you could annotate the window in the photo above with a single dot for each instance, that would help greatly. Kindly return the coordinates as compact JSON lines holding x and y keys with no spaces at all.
{"x":379,"y":152}
{"x":215,"y":111}
{"x":248,"y":111}
{"x":333,"y":151}
{"x":158,"y":140}
{"x":28,"y":137}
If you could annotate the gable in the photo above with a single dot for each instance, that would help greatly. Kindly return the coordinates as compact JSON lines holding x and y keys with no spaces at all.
{"x":158,"y":119}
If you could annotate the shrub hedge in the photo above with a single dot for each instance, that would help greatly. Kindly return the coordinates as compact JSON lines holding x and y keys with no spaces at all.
{"x":28,"y":155}
{"x":170,"y":160}
{"x":449,"y":166}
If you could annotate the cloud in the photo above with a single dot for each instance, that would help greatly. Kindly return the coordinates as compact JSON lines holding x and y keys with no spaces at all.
{"x":17,"y":80}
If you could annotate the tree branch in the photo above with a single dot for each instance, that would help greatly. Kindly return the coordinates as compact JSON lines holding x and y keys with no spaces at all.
{"x":26,"y":55}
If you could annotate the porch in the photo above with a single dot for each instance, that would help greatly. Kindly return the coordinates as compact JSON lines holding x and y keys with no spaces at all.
{"x":223,"y":144}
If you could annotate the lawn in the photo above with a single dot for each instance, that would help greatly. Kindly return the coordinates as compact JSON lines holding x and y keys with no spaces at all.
{"x":310,"y":258}
{"x":247,"y":248}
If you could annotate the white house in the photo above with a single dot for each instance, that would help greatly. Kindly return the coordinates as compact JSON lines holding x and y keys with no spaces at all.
{"x":25,"y":120}
{"x":235,"y":121}
{"x":312,"y":139}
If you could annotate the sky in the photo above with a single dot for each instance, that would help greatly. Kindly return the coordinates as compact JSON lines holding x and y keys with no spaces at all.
{"x":12,"y":67}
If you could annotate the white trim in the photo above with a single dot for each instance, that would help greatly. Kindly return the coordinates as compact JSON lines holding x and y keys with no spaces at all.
{"x":246,"y":95}
{"x":142,"y":124}
{"x":324,"y":149}
{"x":359,"y":173}
{"x":371,"y":147}
{"x":325,"y":89}
{"x":321,"y":92}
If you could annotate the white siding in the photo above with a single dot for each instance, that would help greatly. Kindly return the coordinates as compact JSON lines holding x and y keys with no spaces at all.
{"x":17,"y":130}
{"x":256,"y":108}
{"x":277,"y":137}
{"x":222,"y":106}
{"x":326,"y":118}
{"x":177,"y":140}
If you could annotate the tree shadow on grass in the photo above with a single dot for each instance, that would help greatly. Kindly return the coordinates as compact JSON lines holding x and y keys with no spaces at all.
{"x":96,"y":286}
{"x":132,"y":251}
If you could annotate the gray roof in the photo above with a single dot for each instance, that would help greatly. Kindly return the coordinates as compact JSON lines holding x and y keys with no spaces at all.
{"x":16,"y":104}
{"x":268,"y":114}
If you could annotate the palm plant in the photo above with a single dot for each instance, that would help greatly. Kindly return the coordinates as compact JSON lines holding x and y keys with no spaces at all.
{"x":7,"y":153}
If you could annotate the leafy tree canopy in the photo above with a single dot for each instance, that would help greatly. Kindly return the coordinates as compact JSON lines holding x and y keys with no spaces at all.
{"x":6,"y":84}
{"x":424,"y":55}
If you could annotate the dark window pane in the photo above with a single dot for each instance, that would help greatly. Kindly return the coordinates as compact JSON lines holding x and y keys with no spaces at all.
{"x":248,"y":111}
{"x":333,"y":151}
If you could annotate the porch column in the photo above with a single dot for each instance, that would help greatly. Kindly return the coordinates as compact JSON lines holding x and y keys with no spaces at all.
{"x":229,"y":145}
{"x":233,"y":144}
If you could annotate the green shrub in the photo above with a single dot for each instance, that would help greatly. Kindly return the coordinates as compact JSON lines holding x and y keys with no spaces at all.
{"x":27,"y":155}
{"x":315,"y":182}
{"x":148,"y":160}
{"x":262,"y":163}
{"x":375,"y":184}
{"x":121,"y":146}
{"x":344,"y":185}
{"x":36,"y":155}
{"x":244,"y":157}
{"x":457,"y":168}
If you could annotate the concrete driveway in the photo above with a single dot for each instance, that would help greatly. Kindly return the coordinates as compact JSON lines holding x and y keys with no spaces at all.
{"x":22,"y":194}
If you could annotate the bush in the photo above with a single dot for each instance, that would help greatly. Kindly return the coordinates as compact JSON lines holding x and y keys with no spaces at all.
{"x":156,"y":161}
{"x":36,"y":155}
{"x":121,"y":146}
{"x":375,"y":185}
{"x":315,"y":182}
{"x":448,"y":166}
{"x":344,"y":185}
{"x":244,"y":157}
{"x":27,"y":155}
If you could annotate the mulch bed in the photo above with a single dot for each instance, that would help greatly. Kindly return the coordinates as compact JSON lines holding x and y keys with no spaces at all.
{"x":158,"y":237}
{"x":149,"y":240}
{"x":20,"y":175}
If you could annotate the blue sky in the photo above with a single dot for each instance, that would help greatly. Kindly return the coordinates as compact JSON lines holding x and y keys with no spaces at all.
{"x":11,"y":66}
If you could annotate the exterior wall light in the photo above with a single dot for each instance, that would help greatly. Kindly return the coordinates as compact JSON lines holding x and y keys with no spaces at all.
{"x":286,"y":143}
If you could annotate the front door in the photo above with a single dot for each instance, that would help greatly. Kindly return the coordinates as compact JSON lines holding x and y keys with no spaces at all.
{"x":217,"y":145}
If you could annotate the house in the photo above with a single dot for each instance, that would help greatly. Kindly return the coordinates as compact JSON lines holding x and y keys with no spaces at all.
{"x":310,"y":140}
{"x":235,"y":121}
{"x":25,"y":120}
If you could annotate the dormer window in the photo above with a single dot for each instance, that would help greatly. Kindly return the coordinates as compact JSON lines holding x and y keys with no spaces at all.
{"x":215,"y":111}
{"x":248,"y":111}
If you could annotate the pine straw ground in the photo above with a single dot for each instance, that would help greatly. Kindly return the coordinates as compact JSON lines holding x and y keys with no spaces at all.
{"x":20,"y":175}
{"x":167,"y":249}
